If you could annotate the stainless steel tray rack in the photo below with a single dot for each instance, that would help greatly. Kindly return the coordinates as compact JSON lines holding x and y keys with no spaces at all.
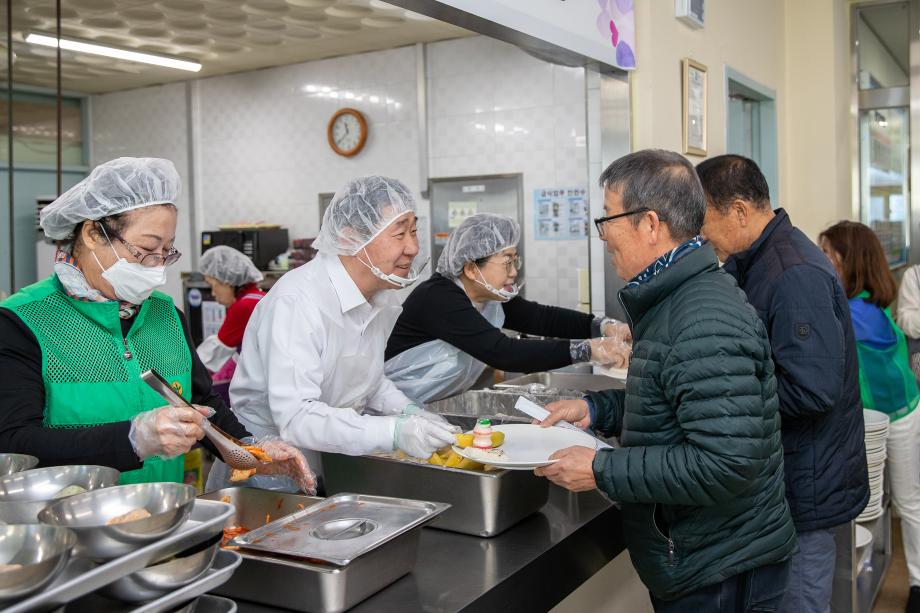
{"x":82,"y":576}
{"x":294,"y":584}
{"x":224,"y":566}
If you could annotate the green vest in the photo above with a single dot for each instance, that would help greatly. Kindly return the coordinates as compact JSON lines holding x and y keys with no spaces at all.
{"x":92,"y":373}
{"x":886,"y":382}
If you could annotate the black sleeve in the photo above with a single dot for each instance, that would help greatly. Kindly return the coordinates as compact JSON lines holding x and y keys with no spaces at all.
{"x":441,"y":310}
{"x":22,"y":410}
{"x":542,"y":320}
{"x":203,"y":394}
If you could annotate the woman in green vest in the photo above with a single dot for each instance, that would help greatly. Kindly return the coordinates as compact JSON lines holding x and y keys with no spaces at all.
{"x":73,"y":346}
{"x":886,"y":381}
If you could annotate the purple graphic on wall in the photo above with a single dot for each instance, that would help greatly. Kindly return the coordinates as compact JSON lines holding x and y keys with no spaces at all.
{"x":616,"y":24}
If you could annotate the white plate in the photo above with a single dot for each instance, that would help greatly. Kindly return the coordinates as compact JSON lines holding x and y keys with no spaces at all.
{"x":875,"y":419}
{"x":863,"y":537}
{"x":870,"y":514}
{"x":528,"y":446}
{"x":875,"y":514}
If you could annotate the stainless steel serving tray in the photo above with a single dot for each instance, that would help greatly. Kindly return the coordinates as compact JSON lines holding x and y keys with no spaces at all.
{"x":341,"y":528}
{"x":302,"y":586}
{"x":224,"y":566}
{"x":482,"y":503}
{"x":563,"y":381}
{"x":82,"y":576}
{"x":211,"y":604}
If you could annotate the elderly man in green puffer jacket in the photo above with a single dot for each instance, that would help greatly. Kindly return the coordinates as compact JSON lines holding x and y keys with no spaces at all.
{"x":700,"y":471}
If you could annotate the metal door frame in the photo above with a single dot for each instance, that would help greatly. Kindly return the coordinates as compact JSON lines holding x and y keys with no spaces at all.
{"x":880,"y":98}
{"x":472,"y":179}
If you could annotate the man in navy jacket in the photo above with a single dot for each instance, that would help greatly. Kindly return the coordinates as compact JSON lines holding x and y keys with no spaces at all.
{"x":795,"y":291}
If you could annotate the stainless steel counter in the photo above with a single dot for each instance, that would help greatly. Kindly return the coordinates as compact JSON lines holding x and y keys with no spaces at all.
{"x":531,"y":567}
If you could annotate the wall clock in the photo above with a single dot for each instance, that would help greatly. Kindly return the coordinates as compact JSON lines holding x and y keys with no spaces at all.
{"x":347,"y":132}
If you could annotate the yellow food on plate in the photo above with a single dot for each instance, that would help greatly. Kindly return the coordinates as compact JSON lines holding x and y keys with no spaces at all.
{"x":466,"y":440}
{"x":451,"y":459}
{"x":132,"y":515}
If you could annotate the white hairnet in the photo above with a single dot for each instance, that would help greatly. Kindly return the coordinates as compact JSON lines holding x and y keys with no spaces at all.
{"x":123,"y":184}
{"x":229,"y":266}
{"x":477,"y":237}
{"x":360,"y":211}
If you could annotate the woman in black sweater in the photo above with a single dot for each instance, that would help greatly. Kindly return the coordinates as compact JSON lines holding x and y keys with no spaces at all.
{"x":451,"y":325}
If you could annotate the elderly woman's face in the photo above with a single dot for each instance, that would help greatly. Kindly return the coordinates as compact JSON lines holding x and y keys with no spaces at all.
{"x":147,"y":230}
{"x":224,"y":293}
{"x":393,"y":250}
{"x":500,"y":271}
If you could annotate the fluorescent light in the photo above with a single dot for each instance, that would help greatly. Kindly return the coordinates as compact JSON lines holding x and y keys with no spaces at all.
{"x":121,"y":54}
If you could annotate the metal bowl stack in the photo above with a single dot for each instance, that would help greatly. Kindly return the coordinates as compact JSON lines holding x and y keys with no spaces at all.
{"x":89,"y":514}
{"x":31,"y":556}
{"x":15,"y":462}
{"x":24,"y":494}
{"x":166,"y":576}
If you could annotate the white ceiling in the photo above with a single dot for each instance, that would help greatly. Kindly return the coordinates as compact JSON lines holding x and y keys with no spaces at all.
{"x":224,"y":35}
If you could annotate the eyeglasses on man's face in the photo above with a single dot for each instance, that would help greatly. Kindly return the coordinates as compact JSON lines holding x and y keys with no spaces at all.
{"x":600,"y":222}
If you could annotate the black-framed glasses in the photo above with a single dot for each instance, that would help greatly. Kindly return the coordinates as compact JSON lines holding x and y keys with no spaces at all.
{"x":513,"y":263}
{"x":599,"y":222}
{"x":144,"y":259}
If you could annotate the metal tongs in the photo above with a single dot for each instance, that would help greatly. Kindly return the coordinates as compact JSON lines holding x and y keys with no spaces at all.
{"x":231,"y":450}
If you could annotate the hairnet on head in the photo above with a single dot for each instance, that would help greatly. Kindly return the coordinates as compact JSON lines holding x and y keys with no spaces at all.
{"x":477,"y":237}
{"x":360,"y":211}
{"x":229,"y":266}
{"x":121,"y":185}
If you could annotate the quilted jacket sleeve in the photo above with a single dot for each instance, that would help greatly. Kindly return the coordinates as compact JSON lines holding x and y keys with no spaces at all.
{"x":710,"y":376}
{"x":608,"y":407}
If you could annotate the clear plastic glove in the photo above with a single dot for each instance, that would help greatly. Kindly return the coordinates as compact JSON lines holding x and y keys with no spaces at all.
{"x":612,"y":328}
{"x":167,"y":432}
{"x":609,"y":351}
{"x":287,"y":460}
{"x":420,"y":437}
{"x":414,"y":409}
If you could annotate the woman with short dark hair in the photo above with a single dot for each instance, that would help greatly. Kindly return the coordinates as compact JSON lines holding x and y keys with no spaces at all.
{"x":885,"y":378}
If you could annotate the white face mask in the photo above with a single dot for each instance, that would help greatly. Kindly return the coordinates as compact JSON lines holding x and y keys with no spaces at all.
{"x":393,"y":278}
{"x":132,"y":282}
{"x":503,"y":294}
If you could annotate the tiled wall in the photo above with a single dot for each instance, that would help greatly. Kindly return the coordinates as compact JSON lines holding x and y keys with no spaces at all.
{"x":263,"y":150}
{"x":260,"y":137}
{"x":495,"y":109}
{"x":149,"y":122}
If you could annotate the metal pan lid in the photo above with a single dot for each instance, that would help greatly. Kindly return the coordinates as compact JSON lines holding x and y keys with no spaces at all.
{"x":341,"y":528}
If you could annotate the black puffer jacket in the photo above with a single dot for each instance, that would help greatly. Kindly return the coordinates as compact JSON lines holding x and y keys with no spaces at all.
{"x":796,"y":293}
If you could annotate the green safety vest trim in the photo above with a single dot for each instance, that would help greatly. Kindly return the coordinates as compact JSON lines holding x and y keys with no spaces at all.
{"x":92,"y":372}
{"x":886,"y":382}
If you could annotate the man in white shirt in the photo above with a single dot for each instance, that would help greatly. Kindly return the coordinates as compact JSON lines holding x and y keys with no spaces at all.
{"x":312,"y":358}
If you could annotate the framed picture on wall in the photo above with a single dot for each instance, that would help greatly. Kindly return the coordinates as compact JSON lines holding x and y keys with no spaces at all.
{"x":695,"y":85}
